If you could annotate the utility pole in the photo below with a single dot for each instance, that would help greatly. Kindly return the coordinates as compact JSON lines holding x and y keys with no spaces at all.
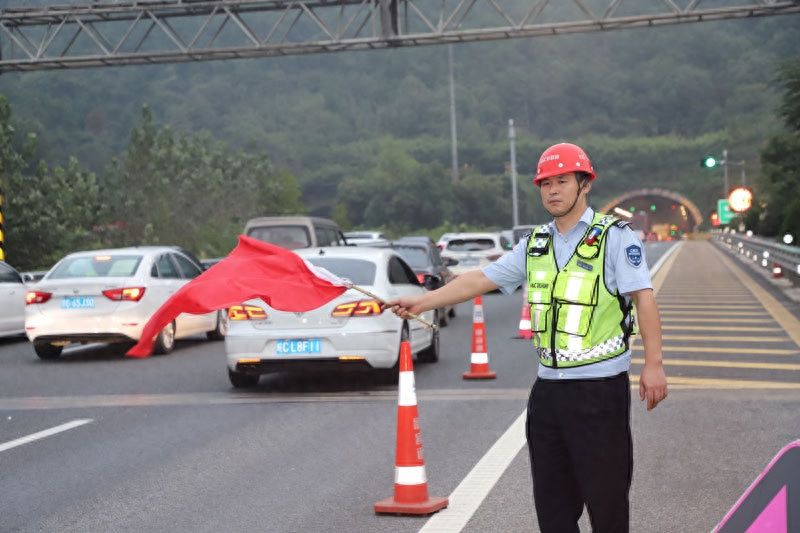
{"x":453,"y":134}
{"x":725,"y":165}
{"x":2,"y":237}
{"x":512,"y":139}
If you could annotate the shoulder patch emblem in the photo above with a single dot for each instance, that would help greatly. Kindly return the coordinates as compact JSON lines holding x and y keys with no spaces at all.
{"x":634,"y":255}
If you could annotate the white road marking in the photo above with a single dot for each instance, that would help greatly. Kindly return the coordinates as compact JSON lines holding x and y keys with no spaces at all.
{"x":473,"y":489}
{"x":43,"y":434}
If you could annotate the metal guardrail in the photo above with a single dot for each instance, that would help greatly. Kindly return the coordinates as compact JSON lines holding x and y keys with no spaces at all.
{"x":761,"y":251}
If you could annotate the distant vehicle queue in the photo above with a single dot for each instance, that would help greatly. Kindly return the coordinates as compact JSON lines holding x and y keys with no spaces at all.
{"x":107,"y":296}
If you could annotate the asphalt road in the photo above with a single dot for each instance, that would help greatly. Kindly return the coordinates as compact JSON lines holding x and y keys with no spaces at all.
{"x":170,"y":446}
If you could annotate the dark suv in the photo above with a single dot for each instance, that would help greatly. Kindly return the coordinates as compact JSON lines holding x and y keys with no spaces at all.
{"x":423,"y":256}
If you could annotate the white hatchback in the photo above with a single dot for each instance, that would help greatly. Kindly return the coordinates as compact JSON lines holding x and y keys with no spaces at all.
{"x":474,"y":250}
{"x":350,"y":331}
{"x":109,"y":295}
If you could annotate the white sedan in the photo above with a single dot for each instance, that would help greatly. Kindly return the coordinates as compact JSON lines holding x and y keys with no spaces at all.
{"x":108,"y":296}
{"x":12,"y":301}
{"x":350,"y":331}
{"x":474,"y":250}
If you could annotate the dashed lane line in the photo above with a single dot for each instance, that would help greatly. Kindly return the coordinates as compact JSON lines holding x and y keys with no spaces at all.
{"x":723,"y":350}
{"x":723,"y":338}
{"x":680,"y":382}
{"x":44,"y":434}
{"x":724,"y":364}
{"x":708,"y":299}
{"x":672,"y":327}
{"x":720,"y":314}
{"x":716,"y":320}
{"x":735,"y":307}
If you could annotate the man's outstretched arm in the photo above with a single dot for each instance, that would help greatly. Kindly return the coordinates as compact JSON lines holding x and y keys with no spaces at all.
{"x":465,"y":287}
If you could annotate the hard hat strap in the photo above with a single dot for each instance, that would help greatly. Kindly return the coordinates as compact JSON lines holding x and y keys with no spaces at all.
{"x":582,"y":181}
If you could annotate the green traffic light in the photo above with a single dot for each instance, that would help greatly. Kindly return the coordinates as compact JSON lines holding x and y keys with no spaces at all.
{"x":632,"y":209}
{"x":709,"y":162}
{"x":652,"y":207}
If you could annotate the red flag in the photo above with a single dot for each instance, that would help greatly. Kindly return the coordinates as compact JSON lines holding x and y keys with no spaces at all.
{"x":254,"y":269}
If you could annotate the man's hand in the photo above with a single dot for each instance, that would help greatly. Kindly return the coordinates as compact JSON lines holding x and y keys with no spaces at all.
{"x":403,"y":306}
{"x":653,"y":384}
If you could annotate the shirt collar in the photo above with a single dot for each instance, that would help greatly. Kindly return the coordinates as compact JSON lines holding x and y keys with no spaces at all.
{"x":586,"y":218}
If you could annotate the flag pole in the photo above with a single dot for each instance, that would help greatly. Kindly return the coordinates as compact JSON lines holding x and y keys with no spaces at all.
{"x":381,"y":300}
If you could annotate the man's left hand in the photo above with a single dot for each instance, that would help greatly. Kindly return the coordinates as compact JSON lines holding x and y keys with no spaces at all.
{"x":653,"y":384}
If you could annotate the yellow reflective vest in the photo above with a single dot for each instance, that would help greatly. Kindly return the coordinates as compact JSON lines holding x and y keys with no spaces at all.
{"x":575,"y":319}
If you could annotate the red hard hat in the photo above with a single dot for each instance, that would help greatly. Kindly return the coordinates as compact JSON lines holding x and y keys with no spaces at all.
{"x":563,"y":158}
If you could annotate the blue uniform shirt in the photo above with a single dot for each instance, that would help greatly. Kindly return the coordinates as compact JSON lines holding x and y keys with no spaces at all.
{"x":625,"y":271}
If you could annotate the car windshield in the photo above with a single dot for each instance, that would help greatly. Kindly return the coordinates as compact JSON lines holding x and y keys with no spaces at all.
{"x":359,"y":271}
{"x":415,"y":256}
{"x":470,"y":245}
{"x":291,"y":237}
{"x":97,"y":266}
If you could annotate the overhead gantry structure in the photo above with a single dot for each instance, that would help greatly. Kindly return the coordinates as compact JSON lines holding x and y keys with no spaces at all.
{"x":166,"y":31}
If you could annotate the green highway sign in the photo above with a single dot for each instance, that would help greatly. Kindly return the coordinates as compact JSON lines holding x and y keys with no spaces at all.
{"x":724,"y":211}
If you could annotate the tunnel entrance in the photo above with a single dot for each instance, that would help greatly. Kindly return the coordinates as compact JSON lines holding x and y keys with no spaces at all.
{"x":658,"y":213}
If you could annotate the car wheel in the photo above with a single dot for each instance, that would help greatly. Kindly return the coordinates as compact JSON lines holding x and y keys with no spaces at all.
{"x":218,"y":333}
{"x":442,"y":317}
{"x":47,"y":351}
{"x":165,"y":341}
{"x":431,"y":353}
{"x":240,"y":380}
{"x":392,"y":375}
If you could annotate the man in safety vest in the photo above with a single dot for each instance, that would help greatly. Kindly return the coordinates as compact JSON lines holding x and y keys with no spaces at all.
{"x":584,"y":273}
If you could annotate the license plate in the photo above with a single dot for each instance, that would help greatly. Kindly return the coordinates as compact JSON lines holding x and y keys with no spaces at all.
{"x":469,"y":261}
{"x":298,"y":346}
{"x":77,"y":302}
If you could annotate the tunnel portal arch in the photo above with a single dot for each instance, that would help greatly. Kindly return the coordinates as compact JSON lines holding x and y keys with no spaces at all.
{"x":697,"y":216}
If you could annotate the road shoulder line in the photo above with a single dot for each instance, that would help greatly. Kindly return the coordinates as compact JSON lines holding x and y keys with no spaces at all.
{"x":781,"y":315}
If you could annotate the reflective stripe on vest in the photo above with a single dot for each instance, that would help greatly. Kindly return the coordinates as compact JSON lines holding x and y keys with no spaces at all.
{"x":574,"y":317}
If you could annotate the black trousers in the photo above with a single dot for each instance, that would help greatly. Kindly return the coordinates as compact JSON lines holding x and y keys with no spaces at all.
{"x":579,"y":439}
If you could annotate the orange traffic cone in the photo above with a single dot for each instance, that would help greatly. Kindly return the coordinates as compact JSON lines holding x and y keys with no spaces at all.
{"x":777,"y":271}
{"x":479,"y":360}
{"x":525,"y":322}
{"x":410,"y":482}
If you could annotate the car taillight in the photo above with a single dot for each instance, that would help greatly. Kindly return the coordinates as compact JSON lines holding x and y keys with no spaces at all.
{"x":421,"y":278}
{"x":129,"y":294}
{"x":495,"y":257}
{"x":246,"y":312}
{"x":37,"y":297}
{"x":359,"y":308}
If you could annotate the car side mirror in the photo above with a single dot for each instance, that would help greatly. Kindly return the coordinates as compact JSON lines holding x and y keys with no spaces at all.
{"x":450,"y":262}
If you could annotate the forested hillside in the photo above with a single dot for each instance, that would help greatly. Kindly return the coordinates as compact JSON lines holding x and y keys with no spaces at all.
{"x":367,"y":133}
